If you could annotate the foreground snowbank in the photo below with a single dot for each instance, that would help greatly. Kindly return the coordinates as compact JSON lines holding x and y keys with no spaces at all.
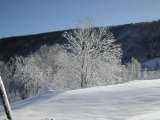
{"x":137,"y":100}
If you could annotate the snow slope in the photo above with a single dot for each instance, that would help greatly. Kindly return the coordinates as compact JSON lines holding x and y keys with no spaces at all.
{"x":152,"y":63}
{"x":136,"y":100}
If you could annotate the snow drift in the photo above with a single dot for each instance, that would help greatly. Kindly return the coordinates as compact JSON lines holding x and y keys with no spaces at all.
{"x":136,"y":100}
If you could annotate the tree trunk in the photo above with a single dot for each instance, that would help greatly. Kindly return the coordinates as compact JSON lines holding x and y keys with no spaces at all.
{"x":82,"y":80}
{"x":83,"y":74}
{"x":5,"y":101}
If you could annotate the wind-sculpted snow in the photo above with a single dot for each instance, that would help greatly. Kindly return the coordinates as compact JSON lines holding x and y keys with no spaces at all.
{"x":136,"y":100}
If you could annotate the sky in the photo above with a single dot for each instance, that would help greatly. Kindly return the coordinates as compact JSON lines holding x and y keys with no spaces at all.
{"x":23,"y":17}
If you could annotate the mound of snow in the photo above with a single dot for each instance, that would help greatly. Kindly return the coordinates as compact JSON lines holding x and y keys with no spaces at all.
{"x":148,"y":116}
{"x":43,"y":90}
{"x":136,"y":100}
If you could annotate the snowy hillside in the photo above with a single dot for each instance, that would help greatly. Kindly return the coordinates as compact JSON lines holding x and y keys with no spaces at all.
{"x":152,"y":64}
{"x":137,"y":100}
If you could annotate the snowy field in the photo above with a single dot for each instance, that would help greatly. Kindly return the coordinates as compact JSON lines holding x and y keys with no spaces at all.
{"x":136,"y":100}
{"x":152,"y":63}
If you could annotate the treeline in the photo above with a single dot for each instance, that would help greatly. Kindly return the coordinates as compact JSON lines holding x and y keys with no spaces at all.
{"x":51,"y":67}
{"x":23,"y":76}
{"x":139,"y":40}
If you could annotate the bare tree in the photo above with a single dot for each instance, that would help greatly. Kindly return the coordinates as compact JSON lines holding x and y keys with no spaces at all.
{"x":95,"y":52}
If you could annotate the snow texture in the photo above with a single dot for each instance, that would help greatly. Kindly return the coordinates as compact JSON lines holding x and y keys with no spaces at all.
{"x":136,"y":100}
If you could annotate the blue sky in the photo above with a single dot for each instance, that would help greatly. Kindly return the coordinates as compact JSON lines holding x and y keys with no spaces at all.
{"x":22,"y":17}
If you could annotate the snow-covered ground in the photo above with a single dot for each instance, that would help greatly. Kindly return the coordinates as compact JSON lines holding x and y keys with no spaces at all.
{"x":152,"y":63}
{"x":136,"y":100}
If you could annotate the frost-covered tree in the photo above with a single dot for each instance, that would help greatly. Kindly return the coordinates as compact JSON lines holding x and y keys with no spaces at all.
{"x":133,"y":70}
{"x":18,"y":82}
{"x":23,"y":76}
{"x":94,"y":57}
{"x":39,"y":68}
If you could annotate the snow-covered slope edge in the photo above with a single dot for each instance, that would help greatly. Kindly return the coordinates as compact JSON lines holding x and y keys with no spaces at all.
{"x":135,"y":100}
{"x":152,"y":63}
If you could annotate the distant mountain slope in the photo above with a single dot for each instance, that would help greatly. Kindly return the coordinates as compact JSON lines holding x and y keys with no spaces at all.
{"x":136,"y":100}
{"x":140,"y":40}
{"x":24,"y":45}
